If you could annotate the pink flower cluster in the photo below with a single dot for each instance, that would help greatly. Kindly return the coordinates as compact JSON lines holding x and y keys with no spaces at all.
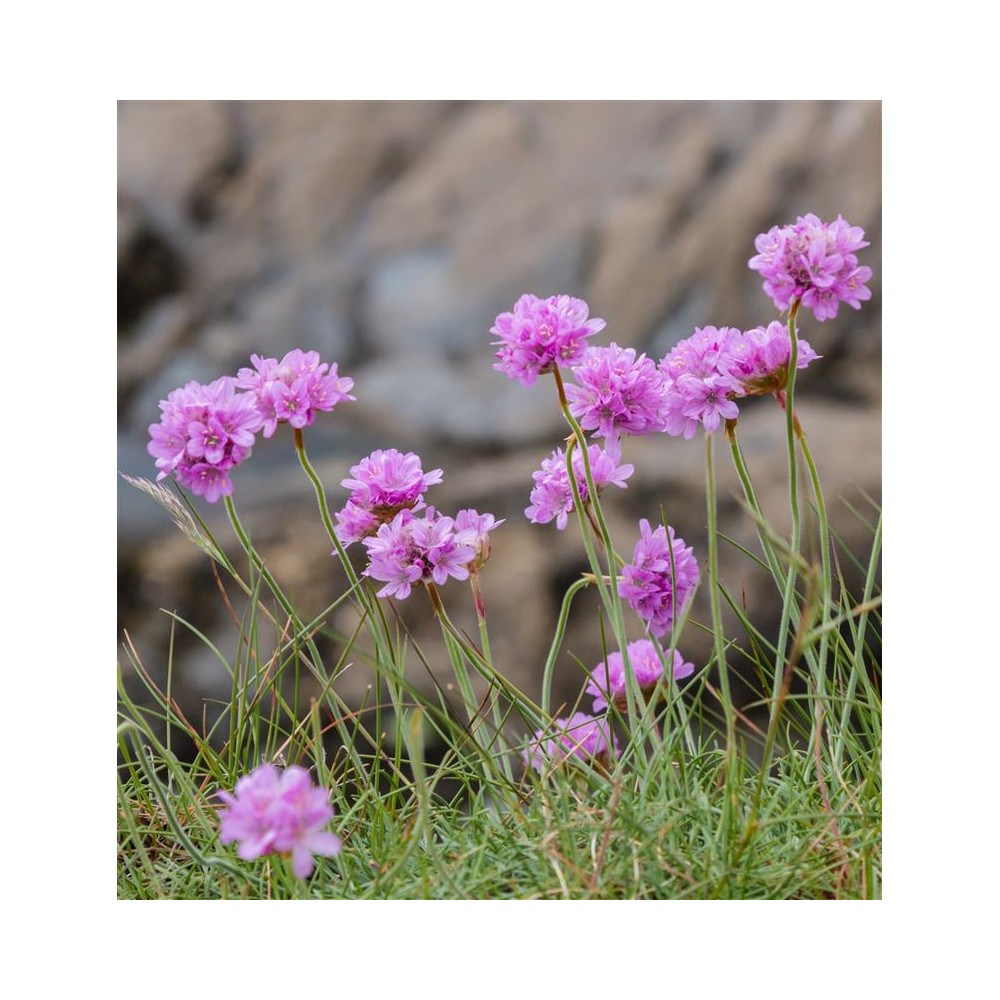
{"x":815,"y":262}
{"x":661,"y":577}
{"x":207,"y":430}
{"x":617,"y":392}
{"x":552,"y":494}
{"x":759,"y":359}
{"x":540,"y":334}
{"x":382,"y":485}
{"x":607,"y":679}
{"x":293,"y":389}
{"x":404,"y":550}
{"x":411,"y":550}
{"x":580,"y":735}
{"x":706,"y":372}
{"x":203,"y":433}
{"x":279,"y":812}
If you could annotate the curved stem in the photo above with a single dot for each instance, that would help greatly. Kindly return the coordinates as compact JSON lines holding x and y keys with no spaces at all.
{"x":729,"y":792}
{"x":557,"y":639}
{"x":324,"y":510}
{"x":751,"y":497}
{"x":713,"y":589}
{"x":525,"y":705}
{"x":787,"y":398}
{"x":484,"y":641}
{"x":610,"y":595}
{"x":244,"y":538}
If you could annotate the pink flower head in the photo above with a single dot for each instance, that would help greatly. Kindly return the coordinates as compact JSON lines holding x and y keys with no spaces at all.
{"x":381,"y":485}
{"x":580,"y":735}
{"x":410,"y":550}
{"x":617,"y":392}
{"x":294,"y":389}
{"x":279,"y":812}
{"x":203,"y":433}
{"x":661,"y":577}
{"x":540,"y":334}
{"x":815,"y":262}
{"x":759,"y":359}
{"x":699,"y":387}
{"x":609,"y":676}
{"x":552,"y":494}
{"x":473,"y":529}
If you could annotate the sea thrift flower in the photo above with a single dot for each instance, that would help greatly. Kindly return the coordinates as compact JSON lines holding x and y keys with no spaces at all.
{"x":700,"y":388}
{"x":279,"y":812}
{"x":815,"y":262}
{"x":617,"y":392}
{"x":293,"y":389}
{"x":411,"y":550}
{"x":759,"y":359}
{"x":661,"y":577}
{"x":552,"y":494}
{"x":540,"y":334}
{"x":381,"y":485}
{"x":580,"y":735}
{"x":609,"y":676}
{"x":203,"y":433}
{"x":473,"y":529}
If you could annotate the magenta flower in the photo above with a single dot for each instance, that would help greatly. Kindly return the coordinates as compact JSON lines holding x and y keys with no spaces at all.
{"x":279,"y":812}
{"x":580,"y":735}
{"x":203,"y":433}
{"x":759,"y":359}
{"x":552,"y":494}
{"x":294,"y":389}
{"x":540,"y":334}
{"x":412,"y":550}
{"x":699,"y":387}
{"x":815,"y":262}
{"x":609,"y":676}
{"x":707,"y":400}
{"x":617,"y":392}
{"x":390,"y":479}
{"x":661,"y":577}
{"x":382,"y":485}
{"x":355,"y":522}
{"x":473,"y":529}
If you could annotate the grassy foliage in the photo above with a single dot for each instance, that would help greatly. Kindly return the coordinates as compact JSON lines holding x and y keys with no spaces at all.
{"x":677,"y":816}
{"x":702,"y":802}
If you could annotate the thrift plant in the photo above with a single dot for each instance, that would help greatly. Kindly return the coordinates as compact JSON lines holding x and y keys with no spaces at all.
{"x":668,"y":758}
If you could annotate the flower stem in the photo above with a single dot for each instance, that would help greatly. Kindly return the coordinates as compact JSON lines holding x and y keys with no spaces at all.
{"x":719,"y":640}
{"x":787,"y":399}
{"x":324,"y":510}
{"x":610,"y":595}
{"x":751,"y":497}
{"x":484,"y":640}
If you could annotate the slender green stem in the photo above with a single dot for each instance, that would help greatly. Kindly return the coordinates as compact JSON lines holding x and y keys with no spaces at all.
{"x":313,"y":661}
{"x":479,"y":600}
{"x":751,"y":497}
{"x":713,"y":590}
{"x":557,"y":639}
{"x":244,"y":538}
{"x":610,"y":595}
{"x":788,"y":601}
{"x":858,"y":661}
{"x":324,"y":510}
{"x":824,"y":544}
{"x":528,"y":709}
{"x":714,"y":586}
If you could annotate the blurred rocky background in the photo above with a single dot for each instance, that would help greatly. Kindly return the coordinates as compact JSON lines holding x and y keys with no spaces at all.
{"x":387,"y":236}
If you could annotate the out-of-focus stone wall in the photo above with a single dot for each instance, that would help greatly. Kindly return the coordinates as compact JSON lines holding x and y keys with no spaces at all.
{"x":388,"y":236}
